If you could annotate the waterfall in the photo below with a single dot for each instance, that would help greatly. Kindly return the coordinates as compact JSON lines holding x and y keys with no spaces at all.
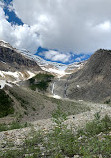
{"x":53,"y":85}
{"x":53,"y":93}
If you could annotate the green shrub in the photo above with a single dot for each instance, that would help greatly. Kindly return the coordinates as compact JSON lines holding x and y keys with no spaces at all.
{"x":13,"y":154}
{"x":107,"y":101}
{"x":96,"y":126}
{"x":13,"y":125}
{"x":6,"y":107}
{"x":40,"y":81}
{"x":63,"y":142}
{"x":23,"y":101}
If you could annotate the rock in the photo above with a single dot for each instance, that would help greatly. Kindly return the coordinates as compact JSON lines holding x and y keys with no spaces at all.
{"x":6,"y":133}
{"x":110,"y":133}
{"x":80,"y":138}
{"x":76,"y":156}
{"x":26,"y":155}
{"x":100,"y":156}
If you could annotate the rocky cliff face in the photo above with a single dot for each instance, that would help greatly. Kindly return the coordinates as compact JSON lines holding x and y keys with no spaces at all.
{"x":10,"y":58}
{"x":93,"y":81}
{"x":14,"y":66}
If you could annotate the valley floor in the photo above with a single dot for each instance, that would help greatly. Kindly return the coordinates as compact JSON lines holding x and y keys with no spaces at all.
{"x":77,"y":121}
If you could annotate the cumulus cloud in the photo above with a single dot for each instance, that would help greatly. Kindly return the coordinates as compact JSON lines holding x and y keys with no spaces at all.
{"x":80,"y":26}
{"x":19,"y":36}
{"x":75,"y":25}
{"x":56,"y":56}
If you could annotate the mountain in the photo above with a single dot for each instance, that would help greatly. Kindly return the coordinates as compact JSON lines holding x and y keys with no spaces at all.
{"x":55,"y":68}
{"x":14,"y":66}
{"x":34,"y":123}
{"x":14,"y":59}
{"x":71,"y":68}
{"x":93,"y":81}
{"x":52,"y":67}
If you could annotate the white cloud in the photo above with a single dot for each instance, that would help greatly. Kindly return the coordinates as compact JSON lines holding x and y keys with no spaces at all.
{"x":56,"y":56}
{"x":106,"y":26}
{"x":75,"y":25}
{"x":19,"y":36}
{"x":80,"y":58}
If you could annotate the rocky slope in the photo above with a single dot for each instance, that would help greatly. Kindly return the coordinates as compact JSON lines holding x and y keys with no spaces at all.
{"x":71,"y":68}
{"x":31,"y":106}
{"x":11,"y":59}
{"x":93,"y":81}
{"x":14,"y":66}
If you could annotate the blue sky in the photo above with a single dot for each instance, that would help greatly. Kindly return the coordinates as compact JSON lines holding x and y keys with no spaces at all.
{"x":72,"y":58}
{"x":12,"y":17}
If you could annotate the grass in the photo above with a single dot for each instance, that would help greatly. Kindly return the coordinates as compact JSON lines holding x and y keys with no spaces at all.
{"x":70,"y":107}
{"x":34,"y":102}
{"x":62,"y":142}
{"x":6,"y":106}
{"x":40,"y":81}
{"x":13,"y":125}
{"x":97,"y":126}
{"x":22,"y":101}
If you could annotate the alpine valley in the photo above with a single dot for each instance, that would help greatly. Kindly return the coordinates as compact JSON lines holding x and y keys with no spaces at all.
{"x":53,"y":110}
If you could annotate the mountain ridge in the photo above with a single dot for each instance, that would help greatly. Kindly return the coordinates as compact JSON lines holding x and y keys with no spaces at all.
{"x":93,"y":81}
{"x":14,"y":66}
{"x":15,"y":59}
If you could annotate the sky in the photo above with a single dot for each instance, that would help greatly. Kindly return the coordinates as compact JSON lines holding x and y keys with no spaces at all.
{"x":71,"y":30}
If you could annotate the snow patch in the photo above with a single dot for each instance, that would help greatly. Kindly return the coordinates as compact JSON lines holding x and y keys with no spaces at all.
{"x":78,"y":86}
{"x":56,"y":96}
{"x":1,"y":74}
{"x":3,"y":83}
{"x":80,"y":100}
{"x":17,"y":76}
{"x":59,"y":73}
{"x":14,"y":74}
{"x":31,"y":74}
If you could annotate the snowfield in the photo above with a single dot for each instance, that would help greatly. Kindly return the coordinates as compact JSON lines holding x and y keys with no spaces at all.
{"x":6,"y":78}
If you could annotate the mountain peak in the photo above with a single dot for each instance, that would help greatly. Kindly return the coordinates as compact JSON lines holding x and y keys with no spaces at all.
{"x":5,"y":44}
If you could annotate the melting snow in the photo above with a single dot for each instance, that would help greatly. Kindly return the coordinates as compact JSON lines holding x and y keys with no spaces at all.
{"x":15,"y":74}
{"x":1,"y":74}
{"x":18,"y":76}
{"x":60,"y":73}
{"x":31,"y":74}
{"x":56,"y":96}
{"x":3,"y":83}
